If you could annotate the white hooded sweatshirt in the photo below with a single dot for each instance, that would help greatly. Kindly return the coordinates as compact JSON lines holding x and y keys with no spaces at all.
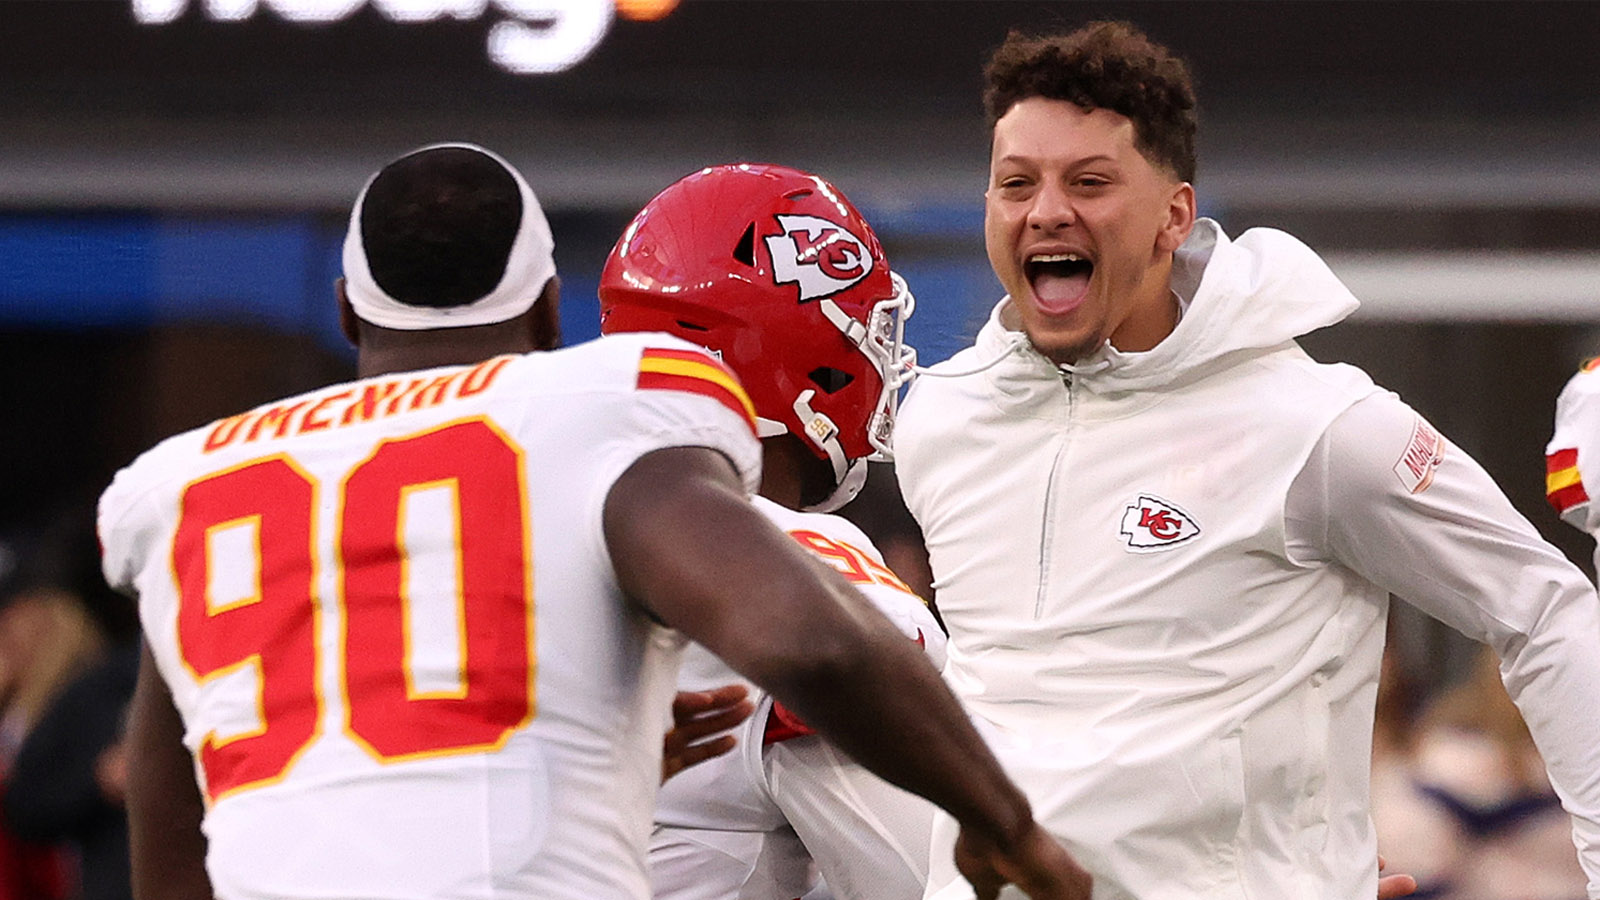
{"x":1166,"y":575}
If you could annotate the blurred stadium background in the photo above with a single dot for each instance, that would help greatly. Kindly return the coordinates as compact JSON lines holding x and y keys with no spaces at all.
{"x":172,"y":191}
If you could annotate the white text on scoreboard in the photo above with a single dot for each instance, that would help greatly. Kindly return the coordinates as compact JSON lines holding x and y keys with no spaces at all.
{"x":534,"y":36}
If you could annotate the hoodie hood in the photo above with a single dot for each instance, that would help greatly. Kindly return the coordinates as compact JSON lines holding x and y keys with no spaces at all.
{"x":1254,"y":293}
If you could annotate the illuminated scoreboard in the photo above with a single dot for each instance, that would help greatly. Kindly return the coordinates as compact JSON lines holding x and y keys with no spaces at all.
{"x":525,"y":37}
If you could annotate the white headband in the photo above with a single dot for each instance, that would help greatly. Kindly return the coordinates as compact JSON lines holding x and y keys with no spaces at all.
{"x":529,"y":265}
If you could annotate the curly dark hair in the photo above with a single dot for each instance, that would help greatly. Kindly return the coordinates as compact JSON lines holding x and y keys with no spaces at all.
{"x":1103,"y":65}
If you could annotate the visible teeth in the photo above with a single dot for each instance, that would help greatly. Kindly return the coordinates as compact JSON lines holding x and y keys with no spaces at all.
{"x":1055,"y":257}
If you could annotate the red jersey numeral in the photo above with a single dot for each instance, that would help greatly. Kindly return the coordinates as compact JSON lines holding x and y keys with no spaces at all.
{"x":269,"y":505}
{"x":271,"y":628}
{"x":855,"y":564}
{"x":484,"y":472}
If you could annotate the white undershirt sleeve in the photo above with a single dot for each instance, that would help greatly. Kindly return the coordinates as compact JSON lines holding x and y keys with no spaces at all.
{"x":1457,"y":550}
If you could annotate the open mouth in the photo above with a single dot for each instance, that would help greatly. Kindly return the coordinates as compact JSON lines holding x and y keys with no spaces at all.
{"x":1060,"y":281}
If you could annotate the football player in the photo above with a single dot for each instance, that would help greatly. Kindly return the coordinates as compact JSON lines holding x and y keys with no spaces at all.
{"x":1572,"y":461}
{"x":774,"y":272}
{"x":407,"y":635}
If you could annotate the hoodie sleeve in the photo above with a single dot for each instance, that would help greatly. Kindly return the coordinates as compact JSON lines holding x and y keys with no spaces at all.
{"x":1388,"y":497}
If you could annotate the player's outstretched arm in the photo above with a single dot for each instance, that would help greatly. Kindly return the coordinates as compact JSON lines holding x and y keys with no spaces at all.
{"x":688,"y":546}
{"x":168,"y":850}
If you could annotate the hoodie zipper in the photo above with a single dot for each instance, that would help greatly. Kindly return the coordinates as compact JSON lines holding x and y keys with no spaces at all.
{"x":1045,"y":530}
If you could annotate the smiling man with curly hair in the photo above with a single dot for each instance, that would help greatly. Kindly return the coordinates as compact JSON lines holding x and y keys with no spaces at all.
{"x":1164,"y":538}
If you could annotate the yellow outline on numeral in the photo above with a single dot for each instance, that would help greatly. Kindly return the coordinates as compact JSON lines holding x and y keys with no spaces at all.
{"x":528,"y":588}
{"x":213,"y":608}
{"x":407,"y":666}
{"x":210,"y":737}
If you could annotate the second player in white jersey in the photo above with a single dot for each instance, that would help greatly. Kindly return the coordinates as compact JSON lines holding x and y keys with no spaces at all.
{"x":749,"y":825}
{"x":1572,"y":459}
{"x":450,"y":744}
{"x":774,"y":271}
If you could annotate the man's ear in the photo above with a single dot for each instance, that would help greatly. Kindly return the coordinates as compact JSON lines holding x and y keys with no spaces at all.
{"x":1180,"y":219}
{"x":349,"y":325}
{"x":544,"y":319}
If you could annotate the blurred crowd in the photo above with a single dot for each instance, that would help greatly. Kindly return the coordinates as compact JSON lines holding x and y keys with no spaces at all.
{"x":1459,"y":793}
{"x":68,"y":657}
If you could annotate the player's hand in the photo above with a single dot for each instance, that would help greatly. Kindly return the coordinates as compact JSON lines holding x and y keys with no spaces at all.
{"x":1037,"y":864}
{"x":696,"y":714}
{"x":1392,"y":886}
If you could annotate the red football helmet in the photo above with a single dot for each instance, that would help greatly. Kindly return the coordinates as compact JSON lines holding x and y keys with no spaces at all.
{"x":775,"y":271}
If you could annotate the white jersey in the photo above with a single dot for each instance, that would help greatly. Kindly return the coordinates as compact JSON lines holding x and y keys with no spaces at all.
{"x":1572,"y":461}
{"x":746,"y":825}
{"x":388,"y":618}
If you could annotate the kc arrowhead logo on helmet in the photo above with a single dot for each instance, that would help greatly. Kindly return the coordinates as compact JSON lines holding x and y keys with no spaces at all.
{"x":1151,"y":523}
{"x":712,"y":259}
{"x":822,"y":257}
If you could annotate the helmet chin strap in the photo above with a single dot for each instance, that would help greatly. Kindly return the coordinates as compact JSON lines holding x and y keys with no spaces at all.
{"x":847,"y":490}
{"x":848,"y":476}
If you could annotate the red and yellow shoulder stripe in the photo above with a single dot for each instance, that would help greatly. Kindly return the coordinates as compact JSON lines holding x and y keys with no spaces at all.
{"x":1563,"y":484}
{"x":686,"y":370}
{"x":1590,"y":365}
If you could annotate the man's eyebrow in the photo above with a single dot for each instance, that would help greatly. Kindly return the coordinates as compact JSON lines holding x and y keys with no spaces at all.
{"x":1087,"y":160}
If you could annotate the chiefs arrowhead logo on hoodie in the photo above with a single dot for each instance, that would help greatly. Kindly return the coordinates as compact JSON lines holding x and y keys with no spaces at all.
{"x":1150,"y":524}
